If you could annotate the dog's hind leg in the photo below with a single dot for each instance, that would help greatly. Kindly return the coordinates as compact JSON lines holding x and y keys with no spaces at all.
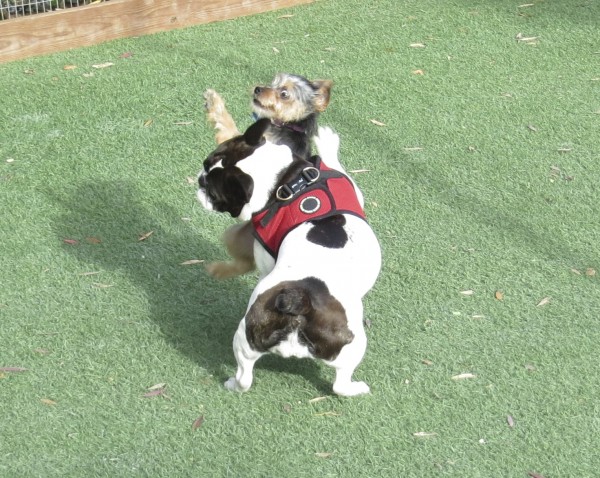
{"x":346,"y":362}
{"x":219,"y":117}
{"x":245,"y":358}
{"x":239,"y":241}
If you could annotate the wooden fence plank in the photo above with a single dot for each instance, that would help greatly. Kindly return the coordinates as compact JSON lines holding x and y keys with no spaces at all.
{"x":83,"y":26}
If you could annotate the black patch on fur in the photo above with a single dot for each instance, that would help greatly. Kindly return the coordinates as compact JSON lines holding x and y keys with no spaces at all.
{"x":305,"y":306}
{"x":329,"y":232}
{"x":229,"y":189}
{"x":295,"y":135}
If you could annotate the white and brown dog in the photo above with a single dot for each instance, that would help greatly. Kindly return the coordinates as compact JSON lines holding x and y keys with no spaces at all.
{"x":316,"y":255}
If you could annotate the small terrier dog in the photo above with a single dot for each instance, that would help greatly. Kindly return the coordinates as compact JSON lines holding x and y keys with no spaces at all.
{"x":315,"y":252}
{"x":292,"y":103}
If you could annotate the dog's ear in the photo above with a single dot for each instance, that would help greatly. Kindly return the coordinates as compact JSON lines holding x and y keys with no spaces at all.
{"x":293,"y":301}
{"x":238,"y":189}
{"x":322,"y":94}
{"x":254,"y":135}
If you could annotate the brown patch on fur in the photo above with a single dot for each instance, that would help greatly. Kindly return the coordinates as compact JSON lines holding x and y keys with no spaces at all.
{"x":305,"y":306}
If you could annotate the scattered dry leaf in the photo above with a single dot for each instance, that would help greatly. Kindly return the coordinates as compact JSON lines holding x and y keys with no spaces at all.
{"x":47,"y":401}
{"x":198,"y":423}
{"x":368,"y":323}
{"x":544,"y":301}
{"x":529,"y":367}
{"x":154,"y":393}
{"x":287,"y":407}
{"x":192,"y":261}
{"x":157,"y":386}
{"x":145,"y":236}
{"x":590,"y":272}
{"x":377,"y":123}
{"x":463,"y":376}
{"x":317,"y":399}
{"x":424,"y":434}
{"x":564,"y":150}
{"x":13,"y":369}
{"x":191,"y":180}
{"x":103,"y":65}
{"x":87,"y":75}
{"x":327,"y":414}
{"x":69,"y":67}
{"x":533,"y":474}
{"x":499,"y":295}
{"x":531,"y":127}
{"x":183,"y":123}
{"x":354,"y":171}
{"x":472,"y":149}
{"x":414,"y":148}
{"x":575,"y":271}
{"x":521,"y":38}
{"x":467,"y":292}
{"x":93,"y":273}
{"x":525,"y":5}
{"x":510,"y":420}
{"x":41,"y":351}
{"x":275,"y":50}
{"x":290,"y":15}
{"x":478,"y":316}
{"x":10,"y":160}
{"x":418,"y":72}
{"x":417,"y":45}
{"x":324,"y":454}
{"x":148,"y":122}
{"x":99,"y":285}
{"x":127,"y":54}
{"x":426,"y":362}
{"x":71,"y":242}
{"x":93,"y":240}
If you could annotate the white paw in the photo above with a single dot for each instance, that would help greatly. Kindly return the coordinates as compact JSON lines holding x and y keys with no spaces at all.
{"x":231,"y":384}
{"x":352,"y":389}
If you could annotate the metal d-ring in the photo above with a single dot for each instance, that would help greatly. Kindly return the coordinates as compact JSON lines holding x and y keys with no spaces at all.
{"x":311,"y":174}
{"x":284,"y":189}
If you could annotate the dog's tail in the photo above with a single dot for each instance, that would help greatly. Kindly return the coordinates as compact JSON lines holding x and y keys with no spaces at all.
{"x":328,"y":147}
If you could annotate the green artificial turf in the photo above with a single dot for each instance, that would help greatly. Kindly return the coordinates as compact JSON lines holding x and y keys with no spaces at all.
{"x":482,"y":186}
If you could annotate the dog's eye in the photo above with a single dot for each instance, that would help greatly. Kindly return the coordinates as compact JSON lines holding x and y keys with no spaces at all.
{"x":285,"y":94}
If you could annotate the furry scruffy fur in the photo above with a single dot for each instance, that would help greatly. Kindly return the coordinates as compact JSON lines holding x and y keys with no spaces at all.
{"x":292,"y":104}
{"x":308,"y":301}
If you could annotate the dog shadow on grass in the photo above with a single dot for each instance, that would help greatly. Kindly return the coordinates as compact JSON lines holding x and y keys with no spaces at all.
{"x":195,"y":312}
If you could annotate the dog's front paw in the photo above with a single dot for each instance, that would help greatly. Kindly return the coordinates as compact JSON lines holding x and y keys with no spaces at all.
{"x":213,"y":103}
{"x":351,"y":389}
{"x":233,"y":386}
{"x":227,"y":270}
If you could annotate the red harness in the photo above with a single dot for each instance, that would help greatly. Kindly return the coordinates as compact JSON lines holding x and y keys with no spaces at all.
{"x":318,"y":192}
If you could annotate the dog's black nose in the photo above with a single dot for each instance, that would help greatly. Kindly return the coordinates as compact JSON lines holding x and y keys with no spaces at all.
{"x":258,"y":90}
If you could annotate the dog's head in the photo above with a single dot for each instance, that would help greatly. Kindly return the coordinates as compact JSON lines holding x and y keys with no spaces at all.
{"x":291,"y":98}
{"x":239,"y":175}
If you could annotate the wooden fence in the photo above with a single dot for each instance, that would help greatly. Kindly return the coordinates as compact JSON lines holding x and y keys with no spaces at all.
{"x":88,"y":25}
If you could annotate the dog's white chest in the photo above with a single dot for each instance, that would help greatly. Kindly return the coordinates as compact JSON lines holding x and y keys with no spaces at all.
{"x":291,"y":347}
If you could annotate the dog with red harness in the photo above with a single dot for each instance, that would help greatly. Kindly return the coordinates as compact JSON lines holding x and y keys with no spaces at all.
{"x":316,"y":254}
